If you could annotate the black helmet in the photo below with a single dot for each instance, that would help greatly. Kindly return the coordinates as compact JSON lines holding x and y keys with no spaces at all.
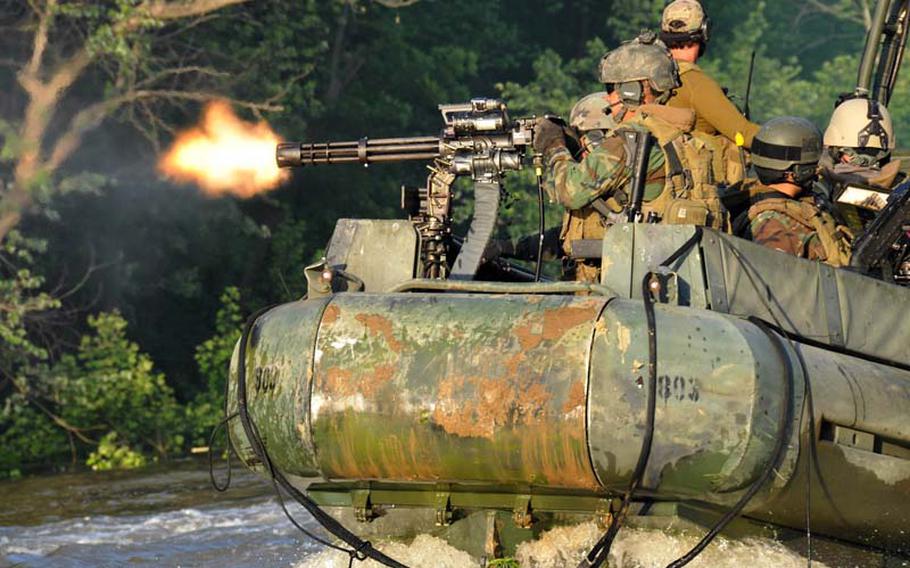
{"x":786,"y":144}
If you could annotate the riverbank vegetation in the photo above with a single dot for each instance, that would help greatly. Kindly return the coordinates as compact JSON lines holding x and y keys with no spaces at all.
{"x":122,"y":293}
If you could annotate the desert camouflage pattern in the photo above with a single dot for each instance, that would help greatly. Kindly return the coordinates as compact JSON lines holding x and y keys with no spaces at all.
{"x":800,"y":228}
{"x":682,"y":16}
{"x":591,"y":113}
{"x":642,"y":59}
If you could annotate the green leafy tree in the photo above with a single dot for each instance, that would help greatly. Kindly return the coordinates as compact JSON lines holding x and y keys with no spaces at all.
{"x":27,"y":434}
{"x":557,"y":84}
{"x":213,"y":358}
{"x":214,"y":355}
{"x":110,"y":454}
{"x":110,"y":386}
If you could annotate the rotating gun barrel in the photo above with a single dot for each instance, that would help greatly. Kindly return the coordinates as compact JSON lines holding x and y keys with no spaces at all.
{"x":479,"y":140}
{"x":364,"y":151}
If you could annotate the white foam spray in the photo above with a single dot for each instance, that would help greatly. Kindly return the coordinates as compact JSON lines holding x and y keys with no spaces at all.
{"x":565,"y":546}
{"x":647,"y":548}
{"x":425,"y":550}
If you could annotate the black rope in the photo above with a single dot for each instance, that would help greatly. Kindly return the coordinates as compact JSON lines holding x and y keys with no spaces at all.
{"x":780,"y":448}
{"x":810,"y":404}
{"x":541,"y":229}
{"x":598,"y":555}
{"x":813,"y":451}
{"x":691,"y":242}
{"x":227,"y":482}
{"x":231,"y":451}
{"x":308,"y":533}
{"x":361,"y":549}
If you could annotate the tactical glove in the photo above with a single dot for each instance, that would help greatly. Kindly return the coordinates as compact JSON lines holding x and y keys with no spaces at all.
{"x":548,"y":135}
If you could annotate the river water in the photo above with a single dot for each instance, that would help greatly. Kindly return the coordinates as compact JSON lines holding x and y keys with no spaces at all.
{"x":170,"y":516}
{"x":158,"y":517}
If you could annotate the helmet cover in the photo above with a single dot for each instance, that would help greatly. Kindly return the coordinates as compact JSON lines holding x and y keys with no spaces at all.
{"x":785,"y":142}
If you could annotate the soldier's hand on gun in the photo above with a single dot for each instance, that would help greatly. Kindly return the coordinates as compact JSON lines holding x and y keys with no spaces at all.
{"x":549,"y":134}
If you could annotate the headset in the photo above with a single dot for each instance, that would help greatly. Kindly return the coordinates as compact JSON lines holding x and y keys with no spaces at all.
{"x":631,"y":93}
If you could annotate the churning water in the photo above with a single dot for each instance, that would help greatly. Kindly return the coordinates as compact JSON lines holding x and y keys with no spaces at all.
{"x":565,"y":547}
{"x":166,"y":517}
{"x":171,"y":517}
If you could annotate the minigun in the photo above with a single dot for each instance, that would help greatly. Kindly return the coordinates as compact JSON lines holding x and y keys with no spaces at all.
{"x":479,"y":140}
{"x":884,"y":247}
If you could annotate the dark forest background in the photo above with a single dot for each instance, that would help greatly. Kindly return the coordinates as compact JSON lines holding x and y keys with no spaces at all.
{"x":122,"y":294}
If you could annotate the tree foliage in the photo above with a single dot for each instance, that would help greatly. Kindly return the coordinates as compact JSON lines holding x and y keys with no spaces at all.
{"x":77,"y":64}
{"x":213,"y":358}
{"x":105,"y":399}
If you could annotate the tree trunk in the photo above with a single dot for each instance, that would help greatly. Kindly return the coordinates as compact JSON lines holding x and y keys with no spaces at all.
{"x":13,"y":203}
{"x":8,"y":222}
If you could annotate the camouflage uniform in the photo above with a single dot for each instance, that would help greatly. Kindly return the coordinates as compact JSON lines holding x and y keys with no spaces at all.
{"x":797,"y":226}
{"x":639,"y":75}
{"x":604,"y":174}
{"x":601,"y":174}
{"x":598,"y":176}
{"x":590,"y":118}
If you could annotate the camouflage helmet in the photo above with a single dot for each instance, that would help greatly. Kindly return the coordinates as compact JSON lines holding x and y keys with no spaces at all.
{"x":685,"y":20}
{"x":860,"y":123}
{"x":785,"y":142}
{"x":644,"y":58}
{"x":589,"y":113}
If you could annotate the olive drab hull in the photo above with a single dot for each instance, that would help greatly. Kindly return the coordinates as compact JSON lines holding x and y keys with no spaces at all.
{"x":391,"y":396}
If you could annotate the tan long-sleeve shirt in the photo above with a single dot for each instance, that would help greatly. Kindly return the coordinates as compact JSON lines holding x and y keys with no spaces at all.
{"x":715,"y":114}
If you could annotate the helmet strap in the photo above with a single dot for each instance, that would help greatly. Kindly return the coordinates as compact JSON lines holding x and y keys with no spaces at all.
{"x":874,"y":128}
{"x":803,"y":174}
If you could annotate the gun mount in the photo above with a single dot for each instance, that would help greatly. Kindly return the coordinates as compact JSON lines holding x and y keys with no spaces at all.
{"x":884,"y":247}
{"x":479,"y":141}
{"x":886,"y":42}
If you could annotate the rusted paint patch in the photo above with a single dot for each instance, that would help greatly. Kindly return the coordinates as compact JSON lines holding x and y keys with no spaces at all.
{"x":342,"y":383}
{"x":576,"y":397}
{"x":380,"y":325}
{"x":373,"y":382}
{"x":477,"y":407}
{"x":556,"y":323}
{"x":339,"y":382}
{"x":453,"y":389}
{"x":533,"y":403}
{"x":331,"y":314}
